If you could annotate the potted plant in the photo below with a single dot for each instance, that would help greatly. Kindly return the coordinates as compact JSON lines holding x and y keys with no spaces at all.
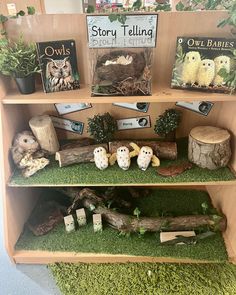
{"x":18,"y":60}
{"x":167,"y":123}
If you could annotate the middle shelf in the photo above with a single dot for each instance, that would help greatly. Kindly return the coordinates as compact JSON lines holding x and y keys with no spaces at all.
{"x":88,"y":175}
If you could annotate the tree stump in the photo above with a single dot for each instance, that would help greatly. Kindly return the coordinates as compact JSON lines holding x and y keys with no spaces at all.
{"x":44,"y":131}
{"x":209,"y":147}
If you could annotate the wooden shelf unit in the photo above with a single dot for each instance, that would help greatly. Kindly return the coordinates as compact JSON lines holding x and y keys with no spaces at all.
{"x":17,"y":109}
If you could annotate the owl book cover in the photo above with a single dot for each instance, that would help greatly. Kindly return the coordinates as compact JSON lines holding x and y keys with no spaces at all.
{"x":205,"y":64}
{"x":58,"y":64}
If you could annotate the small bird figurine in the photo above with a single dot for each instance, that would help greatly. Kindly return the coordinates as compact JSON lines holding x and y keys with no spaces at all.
{"x":123,"y":157}
{"x":101,"y":158}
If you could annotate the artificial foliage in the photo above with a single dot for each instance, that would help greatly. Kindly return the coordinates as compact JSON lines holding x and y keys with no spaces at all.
{"x":167,"y":122}
{"x":158,"y":203}
{"x":18,"y":59}
{"x":195,"y":5}
{"x":102,"y":127}
{"x":145,"y":278}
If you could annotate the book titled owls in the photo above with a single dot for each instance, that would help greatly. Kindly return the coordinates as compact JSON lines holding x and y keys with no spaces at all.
{"x":203,"y":63}
{"x":58,"y":64}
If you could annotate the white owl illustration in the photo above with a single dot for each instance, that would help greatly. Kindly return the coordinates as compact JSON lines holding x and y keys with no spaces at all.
{"x":206,"y":72}
{"x":144,"y":157}
{"x":123,"y":157}
{"x":221,"y":62}
{"x":190,"y":67}
{"x":101,"y":158}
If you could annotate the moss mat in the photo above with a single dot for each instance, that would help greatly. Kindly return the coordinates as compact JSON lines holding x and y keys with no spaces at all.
{"x":88,"y":174}
{"x":145,"y":278}
{"x":161,"y":202}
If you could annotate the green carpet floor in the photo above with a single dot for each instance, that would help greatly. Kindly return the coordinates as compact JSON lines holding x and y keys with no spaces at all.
{"x":88,"y":174}
{"x":160,"y":202}
{"x":145,"y":279}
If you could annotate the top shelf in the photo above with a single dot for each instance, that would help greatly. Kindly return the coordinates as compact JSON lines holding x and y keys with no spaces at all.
{"x":160,"y":94}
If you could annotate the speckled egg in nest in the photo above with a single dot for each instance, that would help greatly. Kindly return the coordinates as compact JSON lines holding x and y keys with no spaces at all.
{"x":133,"y":65}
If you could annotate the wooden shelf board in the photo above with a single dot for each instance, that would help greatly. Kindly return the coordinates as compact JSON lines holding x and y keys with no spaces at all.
{"x":197,"y":183}
{"x":45,"y":257}
{"x":160,"y":94}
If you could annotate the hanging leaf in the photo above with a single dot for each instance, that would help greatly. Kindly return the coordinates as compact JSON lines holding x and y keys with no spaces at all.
{"x":3,"y":18}
{"x":113,"y":17}
{"x":137,"y":212}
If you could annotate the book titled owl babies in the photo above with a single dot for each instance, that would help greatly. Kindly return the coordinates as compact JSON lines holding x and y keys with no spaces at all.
{"x":58,"y":64}
{"x":203,"y":63}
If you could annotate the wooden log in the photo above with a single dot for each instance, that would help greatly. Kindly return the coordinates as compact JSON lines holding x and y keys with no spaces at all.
{"x":164,"y":150}
{"x":129,"y":223}
{"x":78,"y":155}
{"x":209,"y":147}
{"x":44,"y":131}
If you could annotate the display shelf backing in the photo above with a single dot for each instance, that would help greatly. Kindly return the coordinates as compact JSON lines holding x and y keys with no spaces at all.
{"x":46,"y":257}
{"x":224,"y":198}
{"x":171,"y":25}
{"x":189,"y":119}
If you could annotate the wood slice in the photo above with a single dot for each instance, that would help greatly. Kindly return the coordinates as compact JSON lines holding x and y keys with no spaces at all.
{"x":78,"y":155}
{"x":44,"y":131}
{"x":209,"y":147}
{"x":164,"y":150}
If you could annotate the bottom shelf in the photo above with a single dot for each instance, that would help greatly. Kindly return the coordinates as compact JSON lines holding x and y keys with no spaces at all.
{"x":84,"y":245}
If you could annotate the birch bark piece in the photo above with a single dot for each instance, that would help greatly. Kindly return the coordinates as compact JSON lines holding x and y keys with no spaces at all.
{"x":209,"y":147}
{"x":44,"y":131}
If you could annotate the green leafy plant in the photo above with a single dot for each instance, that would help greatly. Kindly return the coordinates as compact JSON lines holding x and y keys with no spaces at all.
{"x":137,"y":212}
{"x":102,"y":127}
{"x":204,"y":5}
{"x":90,"y":9}
{"x":117,"y":17}
{"x":18,"y":59}
{"x":163,"y":7}
{"x":204,"y":208}
{"x":167,"y":122}
{"x":231,"y":19}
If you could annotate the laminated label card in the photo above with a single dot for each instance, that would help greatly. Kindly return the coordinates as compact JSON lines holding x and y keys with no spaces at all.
{"x":66,"y":108}
{"x":201,"y":107}
{"x":133,"y":31}
{"x":134,"y":123}
{"x":69,"y":125}
{"x":136,"y":106}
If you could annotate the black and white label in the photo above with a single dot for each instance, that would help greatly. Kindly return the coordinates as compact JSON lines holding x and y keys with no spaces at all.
{"x":134,"y":123}
{"x":137,"y":106}
{"x":67,"y":108}
{"x":136,"y":31}
{"x":69,"y":125}
{"x":201,"y":107}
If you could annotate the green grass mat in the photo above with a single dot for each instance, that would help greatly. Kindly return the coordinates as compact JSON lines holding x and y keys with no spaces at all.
{"x":88,"y":174}
{"x":174,"y":202}
{"x":145,"y":279}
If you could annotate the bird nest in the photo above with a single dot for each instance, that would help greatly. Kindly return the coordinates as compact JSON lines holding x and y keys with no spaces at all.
{"x":123,"y":72}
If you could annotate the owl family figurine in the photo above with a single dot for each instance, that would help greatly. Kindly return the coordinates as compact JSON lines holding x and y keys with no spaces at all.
{"x":101,"y":158}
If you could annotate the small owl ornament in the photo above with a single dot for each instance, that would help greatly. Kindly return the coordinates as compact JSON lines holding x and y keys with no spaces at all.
{"x":123,"y":157}
{"x":145,"y":157}
{"x":101,"y":158}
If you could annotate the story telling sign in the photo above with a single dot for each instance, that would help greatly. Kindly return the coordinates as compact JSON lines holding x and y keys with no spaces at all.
{"x":137,"y":31}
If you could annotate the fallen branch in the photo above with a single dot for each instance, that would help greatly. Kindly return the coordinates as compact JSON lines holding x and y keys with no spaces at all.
{"x":129,"y":223}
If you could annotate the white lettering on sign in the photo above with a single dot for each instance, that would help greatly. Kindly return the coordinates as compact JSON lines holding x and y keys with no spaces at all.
{"x":134,"y":123}
{"x":137,"y":31}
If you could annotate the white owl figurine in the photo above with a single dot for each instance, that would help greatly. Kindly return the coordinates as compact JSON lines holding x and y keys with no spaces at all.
{"x":145,"y":156}
{"x":101,"y":158}
{"x":221,"y":62}
{"x":206,"y":72}
{"x":190,"y":67}
{"x":69,"y":223}
{"x":123,"y":157}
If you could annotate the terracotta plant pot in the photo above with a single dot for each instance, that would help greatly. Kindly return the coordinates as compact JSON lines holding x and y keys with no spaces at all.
{"x":26,"y":85}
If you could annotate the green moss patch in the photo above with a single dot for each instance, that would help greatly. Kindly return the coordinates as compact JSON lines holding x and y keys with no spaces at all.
{"x":145,"y":278}
{"x":161,"y":202}
{"x":88,"y":174}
